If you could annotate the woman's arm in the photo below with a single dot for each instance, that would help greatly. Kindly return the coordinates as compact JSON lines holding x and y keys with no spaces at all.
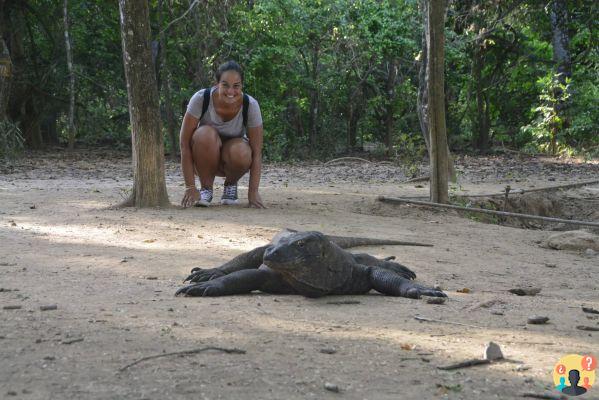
{"x":256,"y":138}
{"x":188,"y":127}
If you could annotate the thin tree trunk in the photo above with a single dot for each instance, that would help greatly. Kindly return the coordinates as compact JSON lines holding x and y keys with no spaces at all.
{"x":313,"y":121}
{"x":422,"y":99}
{"x":5,"y":67}
{"x":563,"y":65}
{"x":67,"y":41}
{"x":5,"y":77}
{"x":353,"y":116}
{"x":435,"y":40}
{"x":482,"y":128}
{"x":390,"y":95}
{"x":149,"y":186}
{"x":166,"y":87}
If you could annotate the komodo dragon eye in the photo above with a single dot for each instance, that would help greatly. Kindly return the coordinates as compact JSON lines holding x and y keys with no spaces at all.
{"x":300,"y":243}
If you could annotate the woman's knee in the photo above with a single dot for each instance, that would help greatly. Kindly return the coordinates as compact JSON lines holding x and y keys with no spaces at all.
{"x":237,"y":154}
{"x":205,"y":136}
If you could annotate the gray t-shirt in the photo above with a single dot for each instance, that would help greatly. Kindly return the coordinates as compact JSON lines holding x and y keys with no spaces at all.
{"x":229,"y":129}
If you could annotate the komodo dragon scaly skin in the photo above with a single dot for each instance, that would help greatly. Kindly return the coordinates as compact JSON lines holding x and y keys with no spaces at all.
{"x":310,"y":264}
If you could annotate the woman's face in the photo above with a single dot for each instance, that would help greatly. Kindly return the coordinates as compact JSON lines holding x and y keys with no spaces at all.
{"x":229,"y":87}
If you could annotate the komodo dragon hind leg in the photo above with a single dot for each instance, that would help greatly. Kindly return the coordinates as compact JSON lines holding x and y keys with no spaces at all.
{"x":367,"y":259}
{"x":239,"y":282}
{"x":249,"y":260}
{"x":392,"y":284}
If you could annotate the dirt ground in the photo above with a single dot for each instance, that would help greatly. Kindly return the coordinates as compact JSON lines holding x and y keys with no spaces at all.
{"x":112,"y":274}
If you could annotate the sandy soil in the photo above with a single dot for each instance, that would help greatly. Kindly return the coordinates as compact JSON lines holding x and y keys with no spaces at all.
{"x":112,"y":275}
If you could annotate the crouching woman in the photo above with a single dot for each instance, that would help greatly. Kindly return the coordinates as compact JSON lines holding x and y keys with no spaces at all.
{"x":222,"y":135}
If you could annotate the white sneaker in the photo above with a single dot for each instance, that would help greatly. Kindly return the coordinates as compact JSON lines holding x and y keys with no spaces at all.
{"x":205,"y":198}
{"x":229,"y":195}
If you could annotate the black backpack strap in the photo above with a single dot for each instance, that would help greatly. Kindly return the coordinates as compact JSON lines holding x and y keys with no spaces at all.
{"x":206,"y":101}
{"x":246,"y":105}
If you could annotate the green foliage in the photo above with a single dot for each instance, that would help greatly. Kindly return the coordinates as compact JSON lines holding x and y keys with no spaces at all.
{"x":320,"y":71}
{"x":547,"y":127}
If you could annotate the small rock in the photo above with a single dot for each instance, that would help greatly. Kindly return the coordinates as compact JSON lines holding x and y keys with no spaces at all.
{"x":550,"y":265}
{"x":589,"y":310}
{"x":49,"y":358}
{"x":435,"y":300}
{"x":522,"y":367}
{"x":71,"y":341}
{"x":493,"y":352}
{"x":328,"y":351}
{"x":152,"y":278}
{"x":573,"y":240}
{"x":587,"y":328}
{"x":331,"y":387}
{"x":590,"y":252}
{"x":531,"y":291}
{"x":12,"y":307}
{"x":49,"y":307}
{"x":463,"y":290}
{"x":11,"y":393}
{"x":537,"y":320}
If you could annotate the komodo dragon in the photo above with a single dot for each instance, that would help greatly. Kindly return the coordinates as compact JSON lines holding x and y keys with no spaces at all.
{"x":310,"y":264}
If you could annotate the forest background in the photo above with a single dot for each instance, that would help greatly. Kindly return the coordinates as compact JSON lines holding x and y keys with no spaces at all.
{"x":330,"y":76}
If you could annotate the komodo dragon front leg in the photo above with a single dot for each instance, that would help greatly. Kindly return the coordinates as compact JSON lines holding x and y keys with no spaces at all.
{"x":240,"y":282}
{"x":253,"y":258}
{"x":249,"y":260}
{"x":370,"y":261}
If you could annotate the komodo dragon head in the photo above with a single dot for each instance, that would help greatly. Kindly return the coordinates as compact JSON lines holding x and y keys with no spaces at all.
{"x":309,"y":260}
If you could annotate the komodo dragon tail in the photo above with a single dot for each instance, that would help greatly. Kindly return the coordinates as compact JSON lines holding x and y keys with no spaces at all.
{"x":346,"y":242}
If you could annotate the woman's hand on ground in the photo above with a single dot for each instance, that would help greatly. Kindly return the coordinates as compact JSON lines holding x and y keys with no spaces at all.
{"x":255,"y":200}
{"x":190,"y":197}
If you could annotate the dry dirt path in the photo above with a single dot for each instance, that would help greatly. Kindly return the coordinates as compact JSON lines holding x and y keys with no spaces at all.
{"x":112,"y":275}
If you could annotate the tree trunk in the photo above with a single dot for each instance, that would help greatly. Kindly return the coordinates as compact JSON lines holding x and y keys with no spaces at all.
{"x":313,"y":121}
{"x":563,"y":66}
{"x":166,"y":87}
{"x":21,"y":105}
{"x":390,"y":93}
{"x":435,"y":40}
{"x":5,"y":77}
{"x":353,"y":115}
{"x":561,"y":40}
{"x":67,"y":40}
{"x":422,"y":102}
{"x":5,"y":67}
{"x":422,"y":99}
{"x":481,"y":126}
{"x":294,"y":116}
{"x":149,"y":186}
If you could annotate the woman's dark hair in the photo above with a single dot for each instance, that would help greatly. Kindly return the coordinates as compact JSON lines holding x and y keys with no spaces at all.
{"x":229,"y":66}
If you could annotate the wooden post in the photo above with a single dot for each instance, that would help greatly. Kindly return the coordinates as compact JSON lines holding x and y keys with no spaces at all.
{"x":435,"y":39}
